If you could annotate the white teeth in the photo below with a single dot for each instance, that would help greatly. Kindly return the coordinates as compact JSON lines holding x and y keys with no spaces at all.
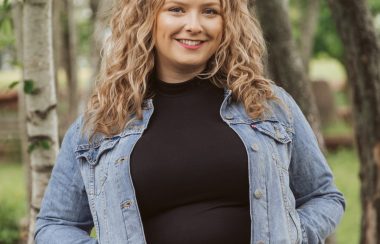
{"x":190,"y":43}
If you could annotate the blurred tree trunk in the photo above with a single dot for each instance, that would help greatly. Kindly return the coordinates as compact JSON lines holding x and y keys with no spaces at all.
{"x":17,"y":10}
{"x":17,"y":22}
{"x":58,"y":8}
{"x":94,"y":8}
{"x":362,"y":57}
{"x":70,"y":60}
{"x":285,"y":65}
{"x":309,"y":22}
{"x":41,"y":119}
{"x":101,"y":13}
{"x":98,"y":19}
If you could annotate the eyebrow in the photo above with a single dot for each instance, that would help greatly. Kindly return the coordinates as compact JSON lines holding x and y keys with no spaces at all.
{"x":185,"y":4}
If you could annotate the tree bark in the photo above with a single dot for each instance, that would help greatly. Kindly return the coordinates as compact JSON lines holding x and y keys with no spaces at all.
{"x":285,"y":65}
{"x":362,"y":57}
{"x":70,"y":63}
{"x":98,"y":26}
{"x":42,"y":129}
{"x":17,"y":22}
{"x":58,"y":8}
{"x":309,"y":22}
{"x":101,"y":10}
{"x":100,"y":23}
{"x":17,"y":10}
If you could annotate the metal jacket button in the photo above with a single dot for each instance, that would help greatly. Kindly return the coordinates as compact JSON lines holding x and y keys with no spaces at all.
{"x":258,"y":194}
{"x":229,"y":116}
{"x":255,"y":147}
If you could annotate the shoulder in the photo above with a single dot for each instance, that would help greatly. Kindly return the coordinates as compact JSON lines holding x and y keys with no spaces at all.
{"x":282,"y":106}
{"x":75,"y":134}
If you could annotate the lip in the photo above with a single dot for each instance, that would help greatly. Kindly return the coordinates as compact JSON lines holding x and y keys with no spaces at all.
{"x":190,"y":47}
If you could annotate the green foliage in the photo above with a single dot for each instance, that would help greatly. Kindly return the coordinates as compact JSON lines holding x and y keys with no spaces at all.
{"x":39,"y":143}
{"x":6,"y":29}
{"x":85,"y":35}
{"x":295,"y":14}
{"x":29,"y":87}
{"x":5,"y":9}
{"x":374,"y":6}
{"x":327,"y":40}
{"x":13,"y":84}
{"x":9,"y":231}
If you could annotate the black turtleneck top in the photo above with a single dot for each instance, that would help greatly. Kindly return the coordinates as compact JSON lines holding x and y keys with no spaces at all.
{"x":190,"y":169}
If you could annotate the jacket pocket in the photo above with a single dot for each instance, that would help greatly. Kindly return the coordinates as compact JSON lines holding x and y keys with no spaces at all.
{"x":279,"y":139}
{"x":273,"y":129}
{"x":95,"y":159}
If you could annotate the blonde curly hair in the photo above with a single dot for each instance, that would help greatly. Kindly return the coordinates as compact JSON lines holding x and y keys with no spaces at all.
{"x":128,"y":63}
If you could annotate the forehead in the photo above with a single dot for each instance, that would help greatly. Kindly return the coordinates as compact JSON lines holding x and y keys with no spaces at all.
{"x":190,"y":2}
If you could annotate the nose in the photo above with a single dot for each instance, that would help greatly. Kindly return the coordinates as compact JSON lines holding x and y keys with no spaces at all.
{"x":193,"y":24}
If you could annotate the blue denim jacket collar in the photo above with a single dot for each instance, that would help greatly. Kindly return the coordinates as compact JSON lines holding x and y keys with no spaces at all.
{"x":233,"y":114}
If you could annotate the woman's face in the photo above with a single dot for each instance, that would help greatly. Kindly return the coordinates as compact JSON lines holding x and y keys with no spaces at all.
{"x":188,"y":33}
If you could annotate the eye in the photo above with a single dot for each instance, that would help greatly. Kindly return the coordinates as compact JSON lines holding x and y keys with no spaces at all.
{"x":210,"y":11}
{"x":176,"y":10}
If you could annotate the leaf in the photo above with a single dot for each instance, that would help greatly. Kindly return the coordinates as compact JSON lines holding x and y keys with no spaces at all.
{"x":31,"y":147}
{"x":40,"y":143}
{"x":45,"y":144}
{"x":5,"y":11}
{"x":6,"y":5}
{"x":29,"y":86}
{"x":13,"y":84}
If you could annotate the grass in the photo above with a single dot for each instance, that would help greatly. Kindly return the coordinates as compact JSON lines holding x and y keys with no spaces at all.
{"x":12,"y":184}
{"x":12,"y":201}
{"x":345,"y":166}
{"x":337,"y":128}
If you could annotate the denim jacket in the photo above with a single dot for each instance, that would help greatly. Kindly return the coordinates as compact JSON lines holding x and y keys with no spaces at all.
{"x":292,"y":195}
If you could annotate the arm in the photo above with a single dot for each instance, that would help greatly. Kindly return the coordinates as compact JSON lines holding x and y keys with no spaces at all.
{"x":65,"y":215}
{"x":318,"y":202}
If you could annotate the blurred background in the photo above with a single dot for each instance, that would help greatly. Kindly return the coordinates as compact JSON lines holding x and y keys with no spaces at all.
{"x":325,"y":53}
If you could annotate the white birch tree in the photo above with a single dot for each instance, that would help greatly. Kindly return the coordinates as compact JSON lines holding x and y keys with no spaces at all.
{"x":39,"y":86}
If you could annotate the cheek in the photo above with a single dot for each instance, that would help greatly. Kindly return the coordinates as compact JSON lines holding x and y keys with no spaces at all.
{"x":165,"y":27}
{"x":217,"y":29}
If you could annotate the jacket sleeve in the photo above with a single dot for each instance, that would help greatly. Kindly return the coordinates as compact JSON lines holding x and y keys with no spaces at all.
{"x":65,"y":215}
{"x":319,"y":204}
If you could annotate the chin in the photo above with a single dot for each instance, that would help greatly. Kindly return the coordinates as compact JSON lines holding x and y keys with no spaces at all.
{"x":191,"y":62}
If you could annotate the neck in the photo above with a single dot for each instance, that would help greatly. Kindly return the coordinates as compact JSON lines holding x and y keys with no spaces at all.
{"x":177,"y":75}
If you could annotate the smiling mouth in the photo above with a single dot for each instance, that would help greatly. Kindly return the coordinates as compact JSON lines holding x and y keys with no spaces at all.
{"x":190,"y":42}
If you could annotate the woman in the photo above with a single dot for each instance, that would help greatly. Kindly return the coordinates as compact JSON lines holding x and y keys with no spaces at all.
{"x":185,"y":141}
